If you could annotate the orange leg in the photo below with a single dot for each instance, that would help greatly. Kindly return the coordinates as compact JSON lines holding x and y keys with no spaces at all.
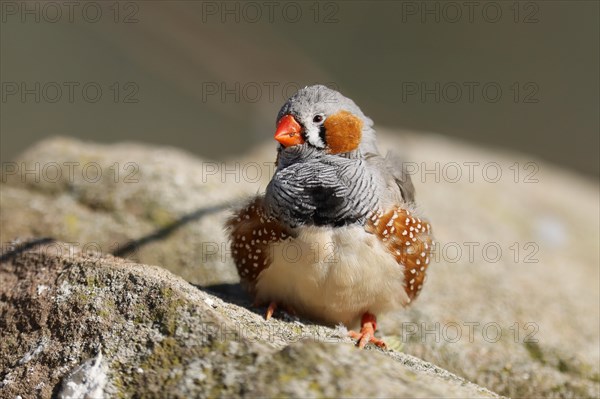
{"x":367,"y":332}
{"x":273,"y":306}
{"x":270,"y":310}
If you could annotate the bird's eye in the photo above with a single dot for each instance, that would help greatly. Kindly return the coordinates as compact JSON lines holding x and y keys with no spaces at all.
{"x":318,"y":118}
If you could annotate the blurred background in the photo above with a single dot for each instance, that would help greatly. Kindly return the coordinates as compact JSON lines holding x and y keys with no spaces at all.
{"x":210,"y":76}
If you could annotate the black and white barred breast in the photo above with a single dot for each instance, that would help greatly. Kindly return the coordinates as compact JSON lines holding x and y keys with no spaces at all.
{"x":321,"y":190}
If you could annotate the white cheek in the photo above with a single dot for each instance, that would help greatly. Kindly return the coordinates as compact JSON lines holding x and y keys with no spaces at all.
{"x":313,"y":137}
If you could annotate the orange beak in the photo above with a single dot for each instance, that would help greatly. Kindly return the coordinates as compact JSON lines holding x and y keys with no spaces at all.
{"x":288,"y":131}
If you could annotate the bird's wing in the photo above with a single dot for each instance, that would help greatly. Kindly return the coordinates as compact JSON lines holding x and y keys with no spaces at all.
{"x":409,"y":240}
{"x":251,"y":232}
{"x":397,"y":168}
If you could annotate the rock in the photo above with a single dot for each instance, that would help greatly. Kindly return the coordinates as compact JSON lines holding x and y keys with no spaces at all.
{"x":106,"y":326}
{"x":512,"y":300}
{"x":152,"y":204}
{"x":86,"y":380}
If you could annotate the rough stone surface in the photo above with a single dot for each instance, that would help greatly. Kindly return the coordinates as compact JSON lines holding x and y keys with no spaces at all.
{"x":527,"y":316}
{"x":79,"y":321}
{"x":162,"y":204}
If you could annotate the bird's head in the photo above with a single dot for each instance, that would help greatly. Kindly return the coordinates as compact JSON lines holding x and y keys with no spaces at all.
{"x":322,"y":118}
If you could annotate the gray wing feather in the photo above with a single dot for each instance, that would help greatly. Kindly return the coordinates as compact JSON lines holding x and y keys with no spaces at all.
{"x":397,"y":168}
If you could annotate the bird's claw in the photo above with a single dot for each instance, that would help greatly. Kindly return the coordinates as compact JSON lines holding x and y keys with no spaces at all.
{"x":363,"y":338}
{"x":367,"y":333}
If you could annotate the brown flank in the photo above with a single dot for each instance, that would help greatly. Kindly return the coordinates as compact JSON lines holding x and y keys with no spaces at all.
{"x":409,"y":240}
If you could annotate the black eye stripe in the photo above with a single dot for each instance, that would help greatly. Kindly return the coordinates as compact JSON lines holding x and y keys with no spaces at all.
{"x":322,"y":134}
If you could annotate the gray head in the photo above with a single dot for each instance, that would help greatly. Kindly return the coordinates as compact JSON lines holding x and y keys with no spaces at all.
{"x":322,"y":118}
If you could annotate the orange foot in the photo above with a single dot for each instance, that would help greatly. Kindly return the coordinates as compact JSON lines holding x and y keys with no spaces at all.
{"x":367,"y":332}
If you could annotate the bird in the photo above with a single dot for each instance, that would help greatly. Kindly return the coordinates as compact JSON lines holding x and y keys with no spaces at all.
{"x":336,"y":238}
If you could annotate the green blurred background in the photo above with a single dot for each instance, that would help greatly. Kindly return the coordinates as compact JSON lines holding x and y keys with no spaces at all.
{"x":210,"y":76}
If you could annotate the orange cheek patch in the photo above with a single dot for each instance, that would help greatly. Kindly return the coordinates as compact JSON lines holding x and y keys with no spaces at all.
{"x":343,"y":132}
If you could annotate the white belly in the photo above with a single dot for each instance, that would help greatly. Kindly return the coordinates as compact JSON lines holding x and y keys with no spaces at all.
{"x":333,"y":275}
